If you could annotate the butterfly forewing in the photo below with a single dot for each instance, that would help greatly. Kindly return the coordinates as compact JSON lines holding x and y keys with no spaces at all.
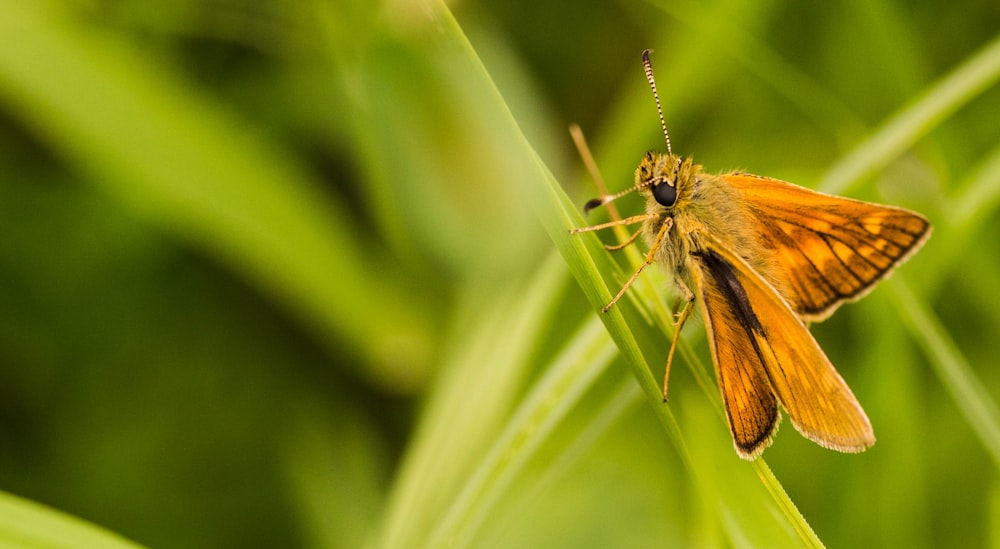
{"x":755,"y":331}
{"x":829,"y":249}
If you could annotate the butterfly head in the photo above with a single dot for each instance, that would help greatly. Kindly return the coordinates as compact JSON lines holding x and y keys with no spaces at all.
{"x":664,"y":178}
{"x":667,"y":176}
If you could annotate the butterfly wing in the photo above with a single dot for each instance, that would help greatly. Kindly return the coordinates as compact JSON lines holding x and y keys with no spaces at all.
{"x":829,"y":249}
{"x":764,"y":353}
{"x":750,"y":404}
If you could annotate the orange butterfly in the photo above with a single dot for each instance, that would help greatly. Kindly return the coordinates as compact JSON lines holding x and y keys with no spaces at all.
{"x":763,"y":257}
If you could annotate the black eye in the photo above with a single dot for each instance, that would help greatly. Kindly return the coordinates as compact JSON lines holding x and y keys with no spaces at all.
{"x":665,"y":194}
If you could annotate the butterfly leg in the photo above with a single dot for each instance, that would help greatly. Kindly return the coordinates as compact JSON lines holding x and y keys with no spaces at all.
{"x":678,"y":325}
{"x":627,"y":221}
{"x":650,"y":257}
{"x":616,"y":247}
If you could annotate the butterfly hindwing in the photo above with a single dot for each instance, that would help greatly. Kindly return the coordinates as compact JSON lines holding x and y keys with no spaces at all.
{"x":760,"y":345}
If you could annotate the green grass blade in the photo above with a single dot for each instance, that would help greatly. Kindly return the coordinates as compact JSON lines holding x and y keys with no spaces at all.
{"x":483,"y":371}
{"x":951,"y":367}
{"x":814,"y":100}
{"x":903,"y":129}
{"x":965,"y":214}
{"x":27,"y":524}
{"x":587,"y":355}
{"x":979,"y":197}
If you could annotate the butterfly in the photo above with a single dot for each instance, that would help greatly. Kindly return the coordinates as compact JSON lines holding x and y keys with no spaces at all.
{"x":763,"y":258}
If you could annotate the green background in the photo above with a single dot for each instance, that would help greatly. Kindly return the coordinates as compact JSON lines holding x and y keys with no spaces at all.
{"x":297,"y":273}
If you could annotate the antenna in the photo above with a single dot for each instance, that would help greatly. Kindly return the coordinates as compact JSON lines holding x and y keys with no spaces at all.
{"x":604,"y":199}
{"x":652,"y":84}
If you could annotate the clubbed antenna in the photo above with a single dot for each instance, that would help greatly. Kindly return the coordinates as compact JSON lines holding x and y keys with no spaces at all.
{"x":652,"y":84}
{"x":602,"y":200}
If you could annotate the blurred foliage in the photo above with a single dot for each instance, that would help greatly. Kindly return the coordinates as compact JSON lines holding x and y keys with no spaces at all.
{"x":282,"y":273}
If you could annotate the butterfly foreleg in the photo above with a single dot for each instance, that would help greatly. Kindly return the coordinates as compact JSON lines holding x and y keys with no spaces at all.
{"x":627,"y":221}
{"x":650,"y":257}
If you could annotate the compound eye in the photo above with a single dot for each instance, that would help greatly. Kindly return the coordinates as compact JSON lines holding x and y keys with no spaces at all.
{"x":665,"y":194}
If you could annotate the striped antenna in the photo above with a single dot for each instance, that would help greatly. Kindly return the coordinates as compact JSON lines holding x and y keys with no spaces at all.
{"x":602,"y":200}
{"x":652,"y":84}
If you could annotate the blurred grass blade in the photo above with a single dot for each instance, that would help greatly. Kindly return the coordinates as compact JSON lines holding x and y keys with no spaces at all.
{"x":903,"y":129}
{"x":335,"y":469}
{"x":27,"y":524}
{"x":951,"y":367}
{"x":604,"y":418}
{"x":174,"y":158}
{"x":787,"y":506}
{"x":587,"y":354}
{"x":812,"y":99}
{"x":965,"y":214}
{"x":483,"y":371}
{"x":978,"y":198}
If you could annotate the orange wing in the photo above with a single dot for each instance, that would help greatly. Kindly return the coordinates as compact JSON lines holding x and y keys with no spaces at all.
{"x":749,"y":401}
{"x":829,"y":249}
{"x":763,"y":353}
